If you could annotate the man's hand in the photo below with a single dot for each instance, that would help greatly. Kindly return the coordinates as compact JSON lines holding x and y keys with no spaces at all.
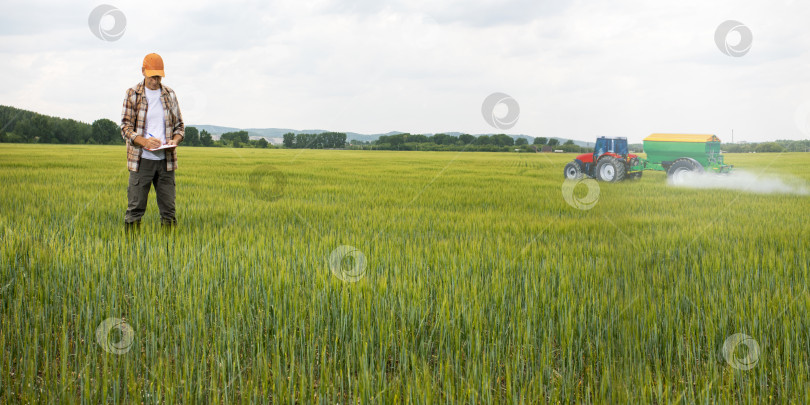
{"x":174,"y":141}
{"x":148,"y":143}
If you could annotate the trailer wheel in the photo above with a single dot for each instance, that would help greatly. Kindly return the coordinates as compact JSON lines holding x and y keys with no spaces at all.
{"x":609,"y":169}
{"x":573,"y":171}
{"x":635,"y":176}
{"x":680,"y":168}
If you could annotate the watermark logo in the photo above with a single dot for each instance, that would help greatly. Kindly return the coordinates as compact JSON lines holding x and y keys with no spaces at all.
{"x":267,"y":183}
{"x":347,"y":263}
{"x":722,"y":33}
{"x":109,"y":327}
{"x":581,"y":203}
{"x":741,"y":351}
{"x":98,"y":28}
{"x":492,"y":110}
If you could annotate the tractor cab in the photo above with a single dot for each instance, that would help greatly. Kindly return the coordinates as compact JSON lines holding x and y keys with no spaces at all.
{"x":604,"y":145}
{"x":616,"y":147}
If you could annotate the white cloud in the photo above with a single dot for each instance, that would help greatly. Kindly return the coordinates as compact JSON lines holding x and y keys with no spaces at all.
{"x":578,"y":69}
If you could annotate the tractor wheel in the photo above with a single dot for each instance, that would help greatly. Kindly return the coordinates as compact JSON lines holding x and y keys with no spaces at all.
{"x":610,"y":169}
{"x":573,"y":171}
{"x":634,"y":176}
{"x":680,"y":168}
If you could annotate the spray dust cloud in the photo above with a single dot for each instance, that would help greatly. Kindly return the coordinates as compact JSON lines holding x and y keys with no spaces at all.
{"x":744,"y":181}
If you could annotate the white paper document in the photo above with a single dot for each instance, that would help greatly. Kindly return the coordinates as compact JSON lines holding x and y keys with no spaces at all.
{"x":162,"y":147}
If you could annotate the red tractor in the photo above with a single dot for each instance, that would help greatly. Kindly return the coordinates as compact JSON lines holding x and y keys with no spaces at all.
{"x":610,"y":162}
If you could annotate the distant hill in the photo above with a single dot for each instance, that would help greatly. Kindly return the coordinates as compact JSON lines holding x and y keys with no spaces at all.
{"x":276,"y":135}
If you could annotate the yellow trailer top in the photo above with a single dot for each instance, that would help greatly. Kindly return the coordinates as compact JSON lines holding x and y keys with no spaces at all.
{"x":682,"y":138}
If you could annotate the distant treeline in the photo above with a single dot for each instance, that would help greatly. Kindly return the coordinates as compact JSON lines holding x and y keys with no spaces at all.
{"x":465,"y":142}
{"x":324,"y":140}
{"x":238,"y":139}
{"x":765,"y":147}
{"x":23,"y":126}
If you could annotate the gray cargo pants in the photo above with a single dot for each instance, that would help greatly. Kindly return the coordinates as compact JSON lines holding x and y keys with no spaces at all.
{"x":140,"y":182}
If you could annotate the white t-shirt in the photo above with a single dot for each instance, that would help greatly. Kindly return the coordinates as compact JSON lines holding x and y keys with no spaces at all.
{"x":155,"y":123}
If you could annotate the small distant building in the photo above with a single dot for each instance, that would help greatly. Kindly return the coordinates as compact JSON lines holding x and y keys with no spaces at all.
{"x":558,"y":151}
{"x":547,"y":149}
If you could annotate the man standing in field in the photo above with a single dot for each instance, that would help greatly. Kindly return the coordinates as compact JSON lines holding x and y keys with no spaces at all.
{"x":151,"y":118}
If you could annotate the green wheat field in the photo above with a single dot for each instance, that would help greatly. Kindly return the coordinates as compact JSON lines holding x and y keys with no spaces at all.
{"x":304,"y":276}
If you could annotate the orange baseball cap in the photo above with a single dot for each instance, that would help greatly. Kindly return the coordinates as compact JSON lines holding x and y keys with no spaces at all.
{"x":153,"y":65}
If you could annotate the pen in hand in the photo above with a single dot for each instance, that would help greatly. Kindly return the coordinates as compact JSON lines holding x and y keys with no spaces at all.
{"x":148,"y":135}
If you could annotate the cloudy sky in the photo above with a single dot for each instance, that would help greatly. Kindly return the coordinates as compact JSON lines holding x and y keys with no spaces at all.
{"x":577,"y":69}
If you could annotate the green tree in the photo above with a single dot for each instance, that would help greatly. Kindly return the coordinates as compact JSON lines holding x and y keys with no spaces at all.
{"x":192,"y":137}
{"x":483,"y":140}
{"x":105,"y":132}
{"x":769,"y":147}
{"x":540,"y":141}
{"x":206,"y":139}
{"x":466,"y":138}
{"x":333,"y":140}
{"x":289,"y":140}
{"x":236,"y":138}
{"x":72,"y":131}
{"x":502,"y":140}
{"x":418,"y":138}
{"x":23,"y":130}
{"x":521,"y":141}
{"x":553,"y":142}
{"x":394,"y":140}
{"x":444,"y":139}
{"x":18,"y":125}
{"x":38,"y":128}
{"x":304,"y":140}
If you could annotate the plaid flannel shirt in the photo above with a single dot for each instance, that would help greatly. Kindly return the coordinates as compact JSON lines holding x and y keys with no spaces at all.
{"x":133,"y":121}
